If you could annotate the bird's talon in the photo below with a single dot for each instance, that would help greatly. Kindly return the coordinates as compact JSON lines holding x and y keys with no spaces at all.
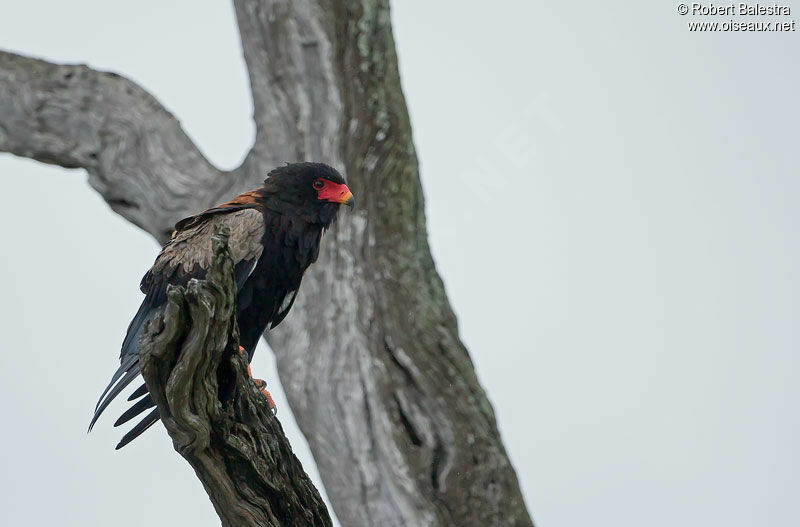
{"x":272,"y":406}
{"x":261,"y":384}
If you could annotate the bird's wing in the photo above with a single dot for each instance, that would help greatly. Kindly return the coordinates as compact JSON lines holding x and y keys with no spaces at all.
{"x":187,"y":255}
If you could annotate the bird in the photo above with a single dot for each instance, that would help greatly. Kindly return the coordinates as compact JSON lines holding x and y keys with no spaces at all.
{"x":275,"y":234}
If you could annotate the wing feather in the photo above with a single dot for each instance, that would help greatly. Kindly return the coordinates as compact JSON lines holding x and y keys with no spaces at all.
{"x":187,"y":255}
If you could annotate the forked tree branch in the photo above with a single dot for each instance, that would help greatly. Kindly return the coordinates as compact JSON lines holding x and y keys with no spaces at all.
{"x":136,"y":153}
{"x":217,"y":419}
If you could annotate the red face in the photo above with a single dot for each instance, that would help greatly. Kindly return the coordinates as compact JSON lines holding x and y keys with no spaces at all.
{"x":333,"y":192}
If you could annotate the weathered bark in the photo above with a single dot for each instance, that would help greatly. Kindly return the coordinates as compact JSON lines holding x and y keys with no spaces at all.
{"x":137,"y":156}
{"x":216,"y":417}
{"x":370,"y":357}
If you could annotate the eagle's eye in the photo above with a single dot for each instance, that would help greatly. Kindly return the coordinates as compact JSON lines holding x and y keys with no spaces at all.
{"x":318,"y":184}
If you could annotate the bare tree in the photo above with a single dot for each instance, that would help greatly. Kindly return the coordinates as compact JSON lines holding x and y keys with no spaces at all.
{"x":370,"y":357}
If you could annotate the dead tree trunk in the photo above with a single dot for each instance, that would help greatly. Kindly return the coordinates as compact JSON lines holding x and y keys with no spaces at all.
{"x":370,"y":357}
{"x":216,"y":417}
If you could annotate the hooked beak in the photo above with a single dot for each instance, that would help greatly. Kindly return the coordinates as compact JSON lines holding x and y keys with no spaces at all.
{"x":349,"y":200}
{"x":334,"y":193}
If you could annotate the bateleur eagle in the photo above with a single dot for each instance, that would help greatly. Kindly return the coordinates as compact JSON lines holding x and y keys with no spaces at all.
{"x":275,"y":232}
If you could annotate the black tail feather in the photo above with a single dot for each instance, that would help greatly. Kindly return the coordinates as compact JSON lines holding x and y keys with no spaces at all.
{"x":131,"y":374}
{"x":141,"y":390}
{"x":123,"y":368}
{"x":136,"y":409}
{"x":129,"y":360}
{"x":139,"y":429}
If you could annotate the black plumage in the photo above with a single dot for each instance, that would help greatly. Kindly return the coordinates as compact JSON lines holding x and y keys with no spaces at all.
{"x":275,"y":235}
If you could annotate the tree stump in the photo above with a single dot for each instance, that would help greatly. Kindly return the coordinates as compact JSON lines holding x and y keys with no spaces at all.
{"x":217,"y":418}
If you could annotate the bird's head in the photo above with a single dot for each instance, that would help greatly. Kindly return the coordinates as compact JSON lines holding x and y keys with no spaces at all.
{"x":314,"y":190}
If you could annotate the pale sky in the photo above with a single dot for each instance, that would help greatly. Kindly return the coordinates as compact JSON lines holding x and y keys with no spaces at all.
{"x":612,"y":203}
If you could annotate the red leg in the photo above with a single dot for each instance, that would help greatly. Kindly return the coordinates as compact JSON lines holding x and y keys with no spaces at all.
{"x":261,"y":384}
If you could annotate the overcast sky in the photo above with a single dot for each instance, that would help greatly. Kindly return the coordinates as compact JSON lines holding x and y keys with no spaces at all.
{"x":613,"y":205}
